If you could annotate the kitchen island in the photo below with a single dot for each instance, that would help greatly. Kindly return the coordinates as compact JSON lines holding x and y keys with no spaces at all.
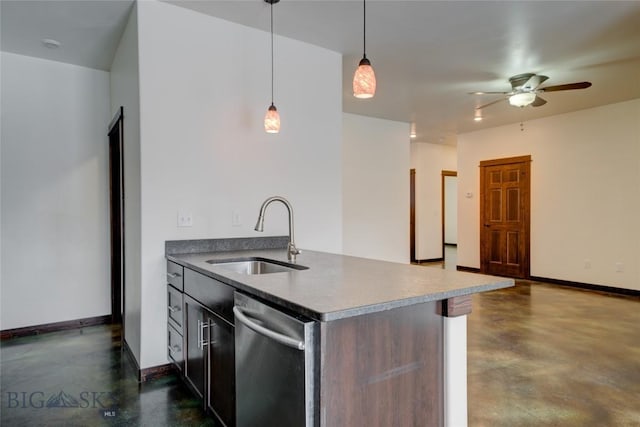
{"x":391,"y":344}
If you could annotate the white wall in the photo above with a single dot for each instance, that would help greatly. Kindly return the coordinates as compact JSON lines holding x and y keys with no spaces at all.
{"x":375,"y":188}
{"x":55,"y":241}
{"x":429,"y":160}
{"x":204,"y":90}
{"x":585,"y":192}
{"x":125,"y":92}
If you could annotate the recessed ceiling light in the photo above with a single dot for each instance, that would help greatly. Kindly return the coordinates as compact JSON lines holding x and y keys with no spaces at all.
{"x":51,"y":43}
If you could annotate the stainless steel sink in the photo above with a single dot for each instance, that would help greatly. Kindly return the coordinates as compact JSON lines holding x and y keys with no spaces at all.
{"x":256,"y":265}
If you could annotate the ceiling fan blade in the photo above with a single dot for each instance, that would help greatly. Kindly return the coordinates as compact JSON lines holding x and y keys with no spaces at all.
{"x":491,"y":103}
{"x":538,"y":102}
{"x":490,"y":93}
{"x":533,"y":82}
{"x":568,"y":86}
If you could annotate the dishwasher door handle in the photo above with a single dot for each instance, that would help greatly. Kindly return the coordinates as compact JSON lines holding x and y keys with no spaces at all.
{"x":276,"y":336}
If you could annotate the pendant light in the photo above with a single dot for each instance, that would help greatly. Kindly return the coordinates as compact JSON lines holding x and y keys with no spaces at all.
{"x":364,"y":80}
{"x":272,"y":118}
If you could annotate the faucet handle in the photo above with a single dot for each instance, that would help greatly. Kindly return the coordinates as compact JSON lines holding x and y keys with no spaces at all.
{"x":292,"y":249}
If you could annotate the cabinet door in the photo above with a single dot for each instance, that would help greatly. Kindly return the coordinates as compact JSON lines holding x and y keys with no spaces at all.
{"x":196,"y":334}
{"x":175,"y":347}
{"x":174,"y":308}
{"x":221,"y":365}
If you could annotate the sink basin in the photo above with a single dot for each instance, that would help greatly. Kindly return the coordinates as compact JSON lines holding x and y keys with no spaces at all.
{"x":256,"y":265}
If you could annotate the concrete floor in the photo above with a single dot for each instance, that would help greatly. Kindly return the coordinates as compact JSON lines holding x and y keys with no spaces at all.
{"x":82,"y":378}
{"x":539,"y":355}
{"x":545,"y":355}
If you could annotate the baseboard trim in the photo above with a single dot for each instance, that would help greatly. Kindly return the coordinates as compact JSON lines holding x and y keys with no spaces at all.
{"x":147,"y":374}
{"x":589,"y":286}
{"x":155,"y":372}
{"x":467,"y":269}
{"x":54,"y":327}
{"x":422,"y":261}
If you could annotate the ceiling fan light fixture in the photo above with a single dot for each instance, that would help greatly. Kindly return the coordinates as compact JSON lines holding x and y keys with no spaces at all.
{"x":522,"y":99}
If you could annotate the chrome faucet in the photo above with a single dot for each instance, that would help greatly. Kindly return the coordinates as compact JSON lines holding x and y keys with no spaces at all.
{"x":292,"y":251}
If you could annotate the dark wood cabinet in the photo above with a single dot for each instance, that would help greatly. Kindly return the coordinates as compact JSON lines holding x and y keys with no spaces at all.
{"x":221,"y":370}
{"x":195,"y":357}
{"x":175,"y":315}
{"x":207,"y":360}
{"x":175,"y":344}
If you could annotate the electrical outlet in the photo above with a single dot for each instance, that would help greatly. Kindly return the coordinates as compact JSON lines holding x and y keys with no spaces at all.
{"x":185,"y":219}
{"x":619,"y":267}
{"x":587,"y":264}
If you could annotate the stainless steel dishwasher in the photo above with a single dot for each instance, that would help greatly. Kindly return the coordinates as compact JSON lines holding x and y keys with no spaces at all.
{"x":275,"y":366}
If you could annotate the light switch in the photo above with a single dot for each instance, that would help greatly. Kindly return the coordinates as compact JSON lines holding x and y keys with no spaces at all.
{"x":185,"y":219}
{"x":236,"y":221}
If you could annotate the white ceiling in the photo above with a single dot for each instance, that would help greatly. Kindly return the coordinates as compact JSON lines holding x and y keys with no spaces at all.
{"x":428,"y":55}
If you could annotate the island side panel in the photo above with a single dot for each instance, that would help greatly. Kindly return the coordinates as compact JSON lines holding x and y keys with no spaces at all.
{"x":383,"y":369}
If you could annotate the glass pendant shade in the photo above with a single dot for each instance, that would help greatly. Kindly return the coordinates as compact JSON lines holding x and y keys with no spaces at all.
{"x":364,"y":80}
{"x":272,"y":120}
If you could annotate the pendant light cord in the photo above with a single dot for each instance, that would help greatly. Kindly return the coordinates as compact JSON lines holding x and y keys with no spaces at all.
{"x":364,"y":25}
{"x":271,"y":53}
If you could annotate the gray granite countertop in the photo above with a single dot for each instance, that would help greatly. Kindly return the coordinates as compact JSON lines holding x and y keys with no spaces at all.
{"x":338,"y":286}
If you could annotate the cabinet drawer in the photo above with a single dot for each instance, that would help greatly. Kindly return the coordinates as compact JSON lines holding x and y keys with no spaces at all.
{"x":175,"y":347}
{"x":175,"y":275}
{"x":211,"y":293}
{"x":175,"y":314}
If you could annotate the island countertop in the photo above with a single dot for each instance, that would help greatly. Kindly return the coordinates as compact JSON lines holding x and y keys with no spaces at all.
{"x":339,"y":286}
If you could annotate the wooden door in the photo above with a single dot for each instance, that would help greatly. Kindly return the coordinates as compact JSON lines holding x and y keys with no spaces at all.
{"x":505,"y":216}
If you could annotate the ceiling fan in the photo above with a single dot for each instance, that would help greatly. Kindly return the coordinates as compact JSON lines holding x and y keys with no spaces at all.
{"x":525,"y":89}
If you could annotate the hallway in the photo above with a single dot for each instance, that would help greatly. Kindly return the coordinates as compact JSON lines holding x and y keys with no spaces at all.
{"x":539,"y":355}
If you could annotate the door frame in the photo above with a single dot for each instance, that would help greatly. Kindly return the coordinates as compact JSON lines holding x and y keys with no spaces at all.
{"x":412,"y":215}
{"x":116,"y":217}
{"x":444,"y":174}
{"x":526,"y":269}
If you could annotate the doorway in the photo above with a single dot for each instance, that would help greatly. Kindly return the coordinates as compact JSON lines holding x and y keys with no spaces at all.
{"x":412,"y":215}
{"x":116,"y":211}
{"x":505,"y":212}
{"x":449,"y":209}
